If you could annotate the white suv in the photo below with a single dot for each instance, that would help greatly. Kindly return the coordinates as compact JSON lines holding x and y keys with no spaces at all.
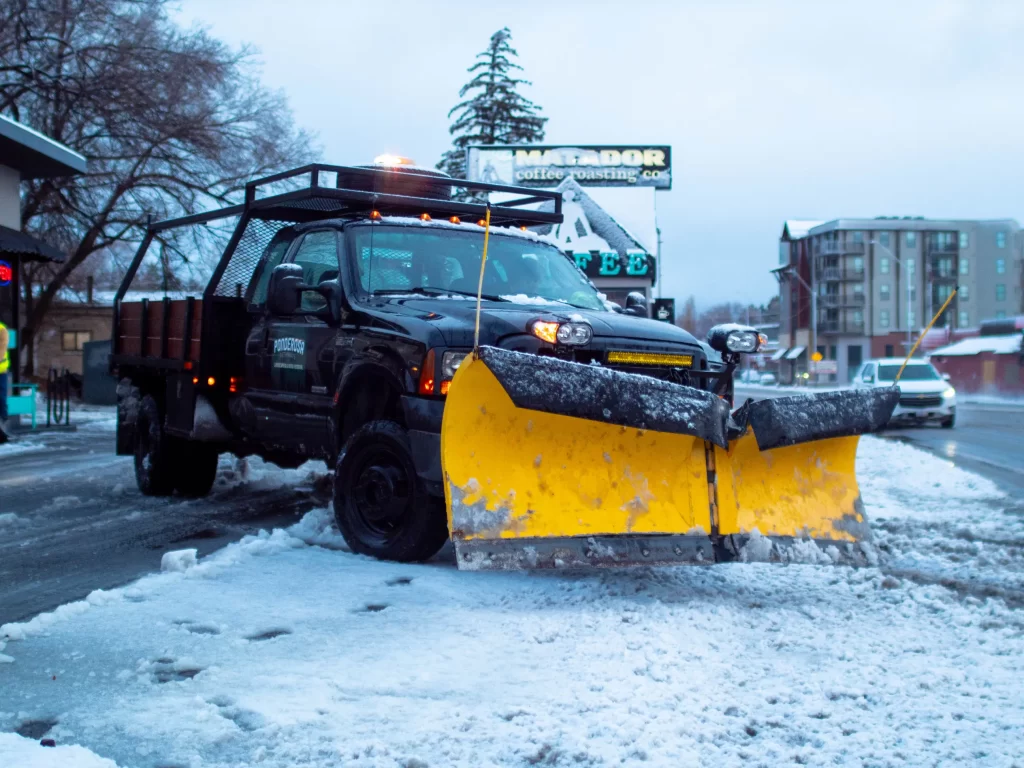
{"x":925,"y":394}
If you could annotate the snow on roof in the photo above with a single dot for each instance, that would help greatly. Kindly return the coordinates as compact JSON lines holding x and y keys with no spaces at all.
{"x":1010,"y":344}
{"x":798,"y":228}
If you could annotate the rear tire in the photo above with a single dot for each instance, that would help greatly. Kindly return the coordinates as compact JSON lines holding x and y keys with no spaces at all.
{"x":380,"y":504}
{"x":154,"y":456}
{"x":195,"y":468}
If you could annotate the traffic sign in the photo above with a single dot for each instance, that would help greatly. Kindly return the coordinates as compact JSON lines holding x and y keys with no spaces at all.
{"x":817,"y":356}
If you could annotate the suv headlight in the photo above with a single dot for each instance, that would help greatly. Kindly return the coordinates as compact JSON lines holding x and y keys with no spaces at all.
{"x":949,"y":393}
{"x":574,"y":334}
{"x":450,"y":362}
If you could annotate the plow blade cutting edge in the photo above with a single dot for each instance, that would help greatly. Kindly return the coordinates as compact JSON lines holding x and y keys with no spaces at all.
{"x":549,"y":463}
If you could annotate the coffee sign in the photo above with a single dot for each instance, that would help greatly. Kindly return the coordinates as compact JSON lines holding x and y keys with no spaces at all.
{"x":533,"y":165}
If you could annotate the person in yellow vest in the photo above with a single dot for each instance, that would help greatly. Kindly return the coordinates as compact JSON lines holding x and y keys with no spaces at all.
{"x":5,"y":365}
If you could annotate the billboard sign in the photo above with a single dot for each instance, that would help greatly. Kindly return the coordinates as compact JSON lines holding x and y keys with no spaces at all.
{"x":591,"y":165}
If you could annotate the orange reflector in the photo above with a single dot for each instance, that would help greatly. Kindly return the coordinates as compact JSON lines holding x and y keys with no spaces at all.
{"x":195,"y":380}
{"x":455,"y":220}
{"x":424,"y":217}
{"x":188,"y":365}
{"x":211,"y":381}
{"x":481,"y":223}
{"x":546,"y":331}
{"x":427,"y":375}
{"x":375,"y":215}
{"x":523,"y":228}
{"x":445,"y":385}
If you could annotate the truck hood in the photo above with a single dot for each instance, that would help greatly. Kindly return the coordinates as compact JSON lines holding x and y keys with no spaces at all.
{"x":499,"y":319}
{"x":933,"y":387}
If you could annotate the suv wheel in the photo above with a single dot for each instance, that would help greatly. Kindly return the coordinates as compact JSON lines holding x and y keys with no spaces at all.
{"x":153,"y":454}
{"x":380,"y":504}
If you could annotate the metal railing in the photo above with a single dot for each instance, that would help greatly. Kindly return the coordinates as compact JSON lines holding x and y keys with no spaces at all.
{"x":838,"y":248}
{"x":835,"y":274}
{"x":842,"y":300}
{"x":841,"y":326}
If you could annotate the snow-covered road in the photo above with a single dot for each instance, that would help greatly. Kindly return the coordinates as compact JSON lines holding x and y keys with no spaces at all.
{"x":281,"y":650}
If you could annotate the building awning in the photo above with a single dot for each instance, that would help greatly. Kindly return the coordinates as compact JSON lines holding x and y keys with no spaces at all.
{"x":26,"y":247}
{"x":794,"y":353}
{"x":779,"y":355}
{"x":35,"y":156}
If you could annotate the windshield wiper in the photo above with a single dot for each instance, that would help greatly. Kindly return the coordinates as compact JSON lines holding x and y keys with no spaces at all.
{"x":434,"y":292}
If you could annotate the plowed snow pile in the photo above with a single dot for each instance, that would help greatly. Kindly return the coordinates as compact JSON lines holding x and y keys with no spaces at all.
{"x":279,"y":652}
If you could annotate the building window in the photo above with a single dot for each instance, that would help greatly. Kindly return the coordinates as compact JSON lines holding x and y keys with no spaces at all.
{"x":74,"y":341}
{"x":965,"y":318}
{"x":913,"y":293}
{"x":964,"y":293}
{"x":1000,"y":292}
{"x":964,"y":240}
{"x":883,"y":265}
{"x":1000,"y":239}
{"x":889,"y":350}
{"x":911,"y":318}
{"x":1000,"y":315}
{"x":910,"y":266}
{"x":911,"y":239}
{"x":965,"y":265}
{"x":858,"y":237}
{"x":858,"y":263}
{"x":1000,"y":266}
{"x":883,"y":318}
{"x":858,"y":318}
{"x":883,"y":238}
{"x":883,"y":292}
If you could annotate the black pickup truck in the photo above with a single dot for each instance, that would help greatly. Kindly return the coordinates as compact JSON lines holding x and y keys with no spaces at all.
{"x":333,"y":324}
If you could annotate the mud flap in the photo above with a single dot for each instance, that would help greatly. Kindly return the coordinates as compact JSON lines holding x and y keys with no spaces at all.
{"x":790,"y":475}
{"x":550,"y":463}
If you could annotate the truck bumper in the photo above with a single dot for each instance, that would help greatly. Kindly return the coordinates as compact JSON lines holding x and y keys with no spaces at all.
{"x":423,"y":421}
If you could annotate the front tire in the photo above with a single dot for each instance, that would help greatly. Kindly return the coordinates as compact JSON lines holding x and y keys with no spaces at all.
{"x":380,"y":504}
{"x":948,"y":423}
{"x":154,"y":471}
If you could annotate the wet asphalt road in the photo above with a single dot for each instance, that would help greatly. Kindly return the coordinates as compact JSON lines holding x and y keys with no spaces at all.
{"x":987,"y":439}
{"x":72,"y":520}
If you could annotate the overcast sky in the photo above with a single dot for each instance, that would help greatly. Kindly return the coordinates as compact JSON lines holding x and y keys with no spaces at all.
{"x":775,"y":109}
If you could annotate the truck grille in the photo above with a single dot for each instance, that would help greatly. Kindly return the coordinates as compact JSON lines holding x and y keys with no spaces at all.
{"x":920,"y":401}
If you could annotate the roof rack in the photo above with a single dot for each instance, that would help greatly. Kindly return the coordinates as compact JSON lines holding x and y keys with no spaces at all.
{"x":390,"y":190}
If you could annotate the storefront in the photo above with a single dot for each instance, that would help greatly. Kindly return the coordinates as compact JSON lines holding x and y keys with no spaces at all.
{"x":608,"y":201}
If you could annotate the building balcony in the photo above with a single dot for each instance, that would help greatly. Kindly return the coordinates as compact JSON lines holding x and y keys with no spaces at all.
{"x":835,"y":274}
{"x":841,"y":300}
{"x":942,"y":276}
{"x":830,"y":248}
{"x":847,"y":327}
{"x":942,"y":248}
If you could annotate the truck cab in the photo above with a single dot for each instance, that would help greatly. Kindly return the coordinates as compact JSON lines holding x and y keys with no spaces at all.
{"x":331,"y":330}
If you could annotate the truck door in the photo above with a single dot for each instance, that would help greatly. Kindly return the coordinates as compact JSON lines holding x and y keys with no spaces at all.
{"x":294,"y":399}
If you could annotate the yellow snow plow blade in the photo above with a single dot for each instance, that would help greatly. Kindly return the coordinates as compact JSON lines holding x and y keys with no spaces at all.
{"x":553,"y":464}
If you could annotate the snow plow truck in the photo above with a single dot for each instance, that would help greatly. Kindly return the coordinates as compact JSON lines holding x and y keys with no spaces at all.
{"x":466,"y":381}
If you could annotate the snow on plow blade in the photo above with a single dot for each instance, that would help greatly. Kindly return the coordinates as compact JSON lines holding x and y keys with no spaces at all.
{"x":550,"y":463}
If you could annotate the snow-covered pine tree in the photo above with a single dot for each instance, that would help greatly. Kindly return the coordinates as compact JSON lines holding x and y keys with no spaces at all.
{"x":494,"y":112}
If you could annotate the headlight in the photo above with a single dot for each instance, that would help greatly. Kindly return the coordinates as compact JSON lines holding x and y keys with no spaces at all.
{"x":949,"y":393}
{"x":450,"y":363}
{"x":742,"y":341}
{"x":574,"y":333}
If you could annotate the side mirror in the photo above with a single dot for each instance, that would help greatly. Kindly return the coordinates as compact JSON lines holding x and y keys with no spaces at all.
{"x":332,"y":293}
{"x":636,"y":304}
{"x":284,"y":289}
{"x":946,"y":376}
{"x":730,"y":337}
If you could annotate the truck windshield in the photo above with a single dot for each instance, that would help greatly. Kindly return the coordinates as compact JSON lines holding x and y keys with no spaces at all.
{"x":913,"y":372}
{"x":396,"y":259}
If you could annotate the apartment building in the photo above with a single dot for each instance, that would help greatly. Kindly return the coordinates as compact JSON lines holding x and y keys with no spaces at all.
{"x":877,"y":282}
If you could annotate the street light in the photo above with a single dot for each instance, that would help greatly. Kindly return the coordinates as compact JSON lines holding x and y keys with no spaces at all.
{"x":790,"y":271}
{"x":907,"y":281}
